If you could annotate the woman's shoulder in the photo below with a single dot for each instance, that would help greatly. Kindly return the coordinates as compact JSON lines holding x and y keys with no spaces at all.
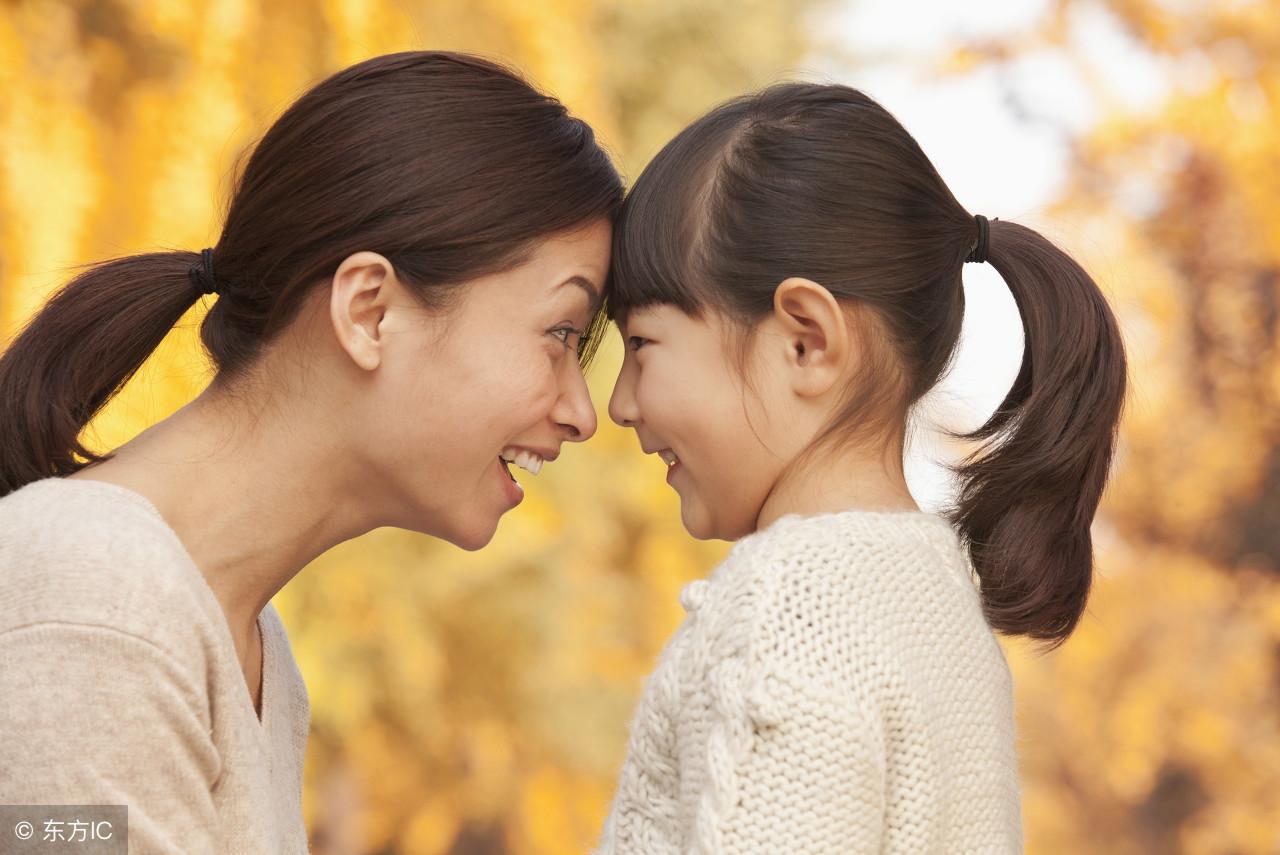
{"x":91,"y":553}
{"x":59,"y":527}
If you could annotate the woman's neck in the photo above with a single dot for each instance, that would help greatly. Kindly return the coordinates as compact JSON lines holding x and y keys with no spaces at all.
{"x":253,"y":497}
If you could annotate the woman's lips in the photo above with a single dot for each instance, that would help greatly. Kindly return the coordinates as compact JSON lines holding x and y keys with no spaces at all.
{"x":514,"y":492}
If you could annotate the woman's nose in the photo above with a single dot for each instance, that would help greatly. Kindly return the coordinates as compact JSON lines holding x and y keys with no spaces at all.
{"x":574,"y":411}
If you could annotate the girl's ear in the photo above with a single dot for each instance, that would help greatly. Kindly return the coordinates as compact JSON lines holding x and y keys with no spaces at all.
{"x":358,"y":303}
{"x":815,"y":332}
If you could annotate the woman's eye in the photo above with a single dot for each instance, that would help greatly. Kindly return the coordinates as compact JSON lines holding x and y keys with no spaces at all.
{"x":569,"y":337}
{"x":635,"y":342}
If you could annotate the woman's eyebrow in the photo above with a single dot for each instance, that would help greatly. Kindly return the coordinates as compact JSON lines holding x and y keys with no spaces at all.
{"x":586,"y":285}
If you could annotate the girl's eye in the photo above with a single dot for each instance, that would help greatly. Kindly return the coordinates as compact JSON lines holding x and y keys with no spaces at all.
{"x":635,"y":342}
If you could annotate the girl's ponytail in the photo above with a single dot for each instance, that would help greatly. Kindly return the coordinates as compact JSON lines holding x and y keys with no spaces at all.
{"x":78,"y":351}
{"x":1028,"y":495}
{"x":818,"y":180}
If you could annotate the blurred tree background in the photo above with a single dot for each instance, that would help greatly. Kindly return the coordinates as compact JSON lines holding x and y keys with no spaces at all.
{"x":1157,"y":727}
{"x":478,"y":703}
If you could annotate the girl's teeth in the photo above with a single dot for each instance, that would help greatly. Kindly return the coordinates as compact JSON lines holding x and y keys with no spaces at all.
{"x":669,"y":457}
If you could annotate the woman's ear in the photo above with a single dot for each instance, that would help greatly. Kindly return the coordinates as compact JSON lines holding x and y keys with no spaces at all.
{"x":815,"y":332}
{"x":358,"y":303}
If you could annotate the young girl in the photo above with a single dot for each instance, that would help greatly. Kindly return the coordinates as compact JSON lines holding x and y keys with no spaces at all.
{"x":787,"y":279}
{"x":399,"y":298}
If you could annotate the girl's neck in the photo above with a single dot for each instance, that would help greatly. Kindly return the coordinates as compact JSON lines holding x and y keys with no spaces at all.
{"x":846,"y":479}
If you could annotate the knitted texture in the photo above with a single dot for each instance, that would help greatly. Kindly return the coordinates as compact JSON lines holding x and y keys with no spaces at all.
{"x":834,"y":687}
{"x":120,"y":684}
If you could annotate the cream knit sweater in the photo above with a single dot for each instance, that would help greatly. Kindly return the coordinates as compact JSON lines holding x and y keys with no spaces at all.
{"x":834,"y":688}
{"x":119,"y":682}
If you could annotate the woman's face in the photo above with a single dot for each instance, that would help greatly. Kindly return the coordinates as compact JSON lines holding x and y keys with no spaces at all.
{"x":495,"y":375}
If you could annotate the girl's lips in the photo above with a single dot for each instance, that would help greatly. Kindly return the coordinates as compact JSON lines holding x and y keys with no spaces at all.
{"x":513,"y":491}
{"x":671,"y":470}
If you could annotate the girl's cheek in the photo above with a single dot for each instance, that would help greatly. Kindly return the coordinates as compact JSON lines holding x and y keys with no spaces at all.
{"x":656,"y":409}
{"x":667,"y":393}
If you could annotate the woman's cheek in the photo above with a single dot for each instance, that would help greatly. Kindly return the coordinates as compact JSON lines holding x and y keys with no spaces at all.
{"x":527,"y":374}
{"x":540,"y":390}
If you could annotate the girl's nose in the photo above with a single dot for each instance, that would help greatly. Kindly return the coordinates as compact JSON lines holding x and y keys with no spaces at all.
{"x":622,"y":403}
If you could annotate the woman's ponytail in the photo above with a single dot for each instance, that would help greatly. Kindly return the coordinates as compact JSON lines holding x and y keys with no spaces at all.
{"x":78,"y":351}
{"x":1028,"y":495}
{"x":314,"y":191}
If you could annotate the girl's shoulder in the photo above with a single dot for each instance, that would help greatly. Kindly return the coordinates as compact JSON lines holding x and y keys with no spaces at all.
{"x":853,"y":549}
{"x":833,"y":596}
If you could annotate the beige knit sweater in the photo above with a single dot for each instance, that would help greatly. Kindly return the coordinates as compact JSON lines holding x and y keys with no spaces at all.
{"x":119,"y":682}
{"x":834,"y":688}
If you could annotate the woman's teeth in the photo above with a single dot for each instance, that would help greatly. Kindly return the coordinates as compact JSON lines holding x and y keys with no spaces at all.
{"x":526,"y":460}
{"x":669,"y":457}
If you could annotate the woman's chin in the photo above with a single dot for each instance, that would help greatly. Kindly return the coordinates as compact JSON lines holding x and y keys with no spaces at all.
{"x":472,"y":534}
{"x":469,"y":531}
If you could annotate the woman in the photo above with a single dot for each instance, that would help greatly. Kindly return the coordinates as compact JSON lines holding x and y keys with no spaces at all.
{"x":405,"y":285}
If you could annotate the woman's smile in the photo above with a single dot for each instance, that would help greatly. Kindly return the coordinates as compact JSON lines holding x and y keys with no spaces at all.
{"x":528,"y":460}
{"x":510,"y":486}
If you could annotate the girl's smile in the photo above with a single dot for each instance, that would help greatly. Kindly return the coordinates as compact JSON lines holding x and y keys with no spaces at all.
{"x":679,"y":388}
{"x":669,"y":458}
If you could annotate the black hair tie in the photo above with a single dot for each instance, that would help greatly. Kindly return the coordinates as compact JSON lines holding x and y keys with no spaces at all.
{"x":979,"y":252}
{"x":201,"y":275}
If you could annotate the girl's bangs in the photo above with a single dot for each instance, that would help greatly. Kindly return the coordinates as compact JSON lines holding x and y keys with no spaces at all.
{"x":657,"y":238}
{"x":653,"y":245}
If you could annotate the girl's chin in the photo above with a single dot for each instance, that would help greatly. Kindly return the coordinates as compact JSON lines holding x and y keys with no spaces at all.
{"x":695,"y":522}
{"x":699,"y":524}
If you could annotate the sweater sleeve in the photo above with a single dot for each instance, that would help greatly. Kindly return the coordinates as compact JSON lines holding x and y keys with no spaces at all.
{"x":812,"y":780}
{"x":94,"y":715}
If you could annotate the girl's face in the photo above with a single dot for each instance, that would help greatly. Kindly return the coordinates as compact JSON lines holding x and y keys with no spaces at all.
{"x":494,"y":376}
{"x":682,"y":391}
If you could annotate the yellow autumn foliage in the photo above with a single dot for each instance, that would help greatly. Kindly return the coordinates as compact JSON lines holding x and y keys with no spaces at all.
{"x":478,"y":702}
{"x":1157,"y":727}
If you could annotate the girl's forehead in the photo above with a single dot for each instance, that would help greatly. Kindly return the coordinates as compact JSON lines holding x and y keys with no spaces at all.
{"x":651,"y":314}
{"x":671,"y":321}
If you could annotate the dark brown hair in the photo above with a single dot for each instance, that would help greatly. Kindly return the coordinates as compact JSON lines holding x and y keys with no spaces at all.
{"x":449,"y":165}
{"x":820,"y":181}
